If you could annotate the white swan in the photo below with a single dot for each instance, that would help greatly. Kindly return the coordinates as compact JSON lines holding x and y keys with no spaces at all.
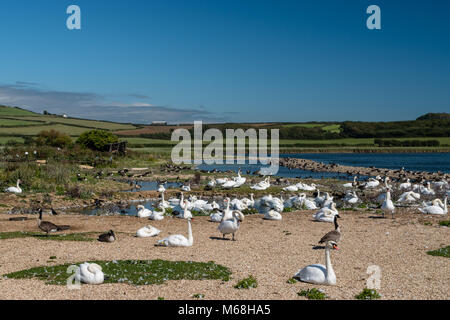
{"x":249,"y":202}
{"x":158,"y":215}
{"x":409,"y":196}
{"x":216,"y":216}
{"x":350,"y":184}
{"x":351,"y":198}
{"x":90,"y":273}
{"x":230,"y":225}
{"x":388,"y":205}
{"x":318,"y":273}
{"x":372,"y":183}
{"x":147,"y":231}
{"x":292,"y":188}
{"x":161,"y":188}
{"x":186,"y":188}
{"x":405,"y":185}
{"x":229,"y":184}
{"x":272,"y":215}
{"x":15,"y":189}
{"x":326,"y":214}
{"x":304,"y":186}
{"x":427,"y":190}
{"x":143,"y":212}
{"x":435,"y":208}
{"x":178,"y":240}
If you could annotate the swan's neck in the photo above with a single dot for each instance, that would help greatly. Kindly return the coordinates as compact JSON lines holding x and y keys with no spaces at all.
{"x":388,"y":196}
{"x":190,"y":237}
{"x":330,"y":276}
{"x":162,"y":196}
{"x":18,"y":184}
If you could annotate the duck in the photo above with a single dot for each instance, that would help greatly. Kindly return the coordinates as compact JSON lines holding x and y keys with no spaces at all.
{"x":17,"y":189}
{"x":147,"y":231}
{"x":178,"y":240}
{"x":89,"y":273}
{"x":49,"y":227}
{"x":107,"y":237}
{"x":334,"y":235}
{"x":318,"y":273}
{"x":388,"y":205}
{"x":231,"y":225}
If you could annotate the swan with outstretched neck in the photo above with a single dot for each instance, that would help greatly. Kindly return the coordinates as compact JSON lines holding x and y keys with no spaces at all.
{"x":178,"y":240}
{"x":318,"y":273}
{"x":16,"y":189}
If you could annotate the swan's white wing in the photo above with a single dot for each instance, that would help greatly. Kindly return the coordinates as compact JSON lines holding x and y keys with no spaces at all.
{"x":315,"y":273}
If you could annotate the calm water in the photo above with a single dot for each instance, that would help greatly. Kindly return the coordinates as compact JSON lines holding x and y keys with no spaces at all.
{"x":430,"y":162}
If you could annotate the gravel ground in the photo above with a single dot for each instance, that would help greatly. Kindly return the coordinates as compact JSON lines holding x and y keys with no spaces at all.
{"x":263,"y":249}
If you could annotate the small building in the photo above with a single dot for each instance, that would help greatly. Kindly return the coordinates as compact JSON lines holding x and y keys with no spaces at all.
{"x":64,"y":115}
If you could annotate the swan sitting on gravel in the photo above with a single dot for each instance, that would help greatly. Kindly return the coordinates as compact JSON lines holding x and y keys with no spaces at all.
{"x":216,"y":216}
{"x":292,"y":188}
{"x":178,"y":240}
{"x":305,"y":187}
{"x":435,"y":208}
{"x":158,"y":215}
{"x":409,"y":196}
{"x":318,"y":273}
{"x":90,"y":273}
{"x":405,"y":185}
{"x":147,"y":231}
{"x":351,"y":198}
{"x":326,"y":214}
{"x":272,"y":215}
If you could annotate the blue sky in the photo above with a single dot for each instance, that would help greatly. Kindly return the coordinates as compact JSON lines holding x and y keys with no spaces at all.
{"x":230,"y":60}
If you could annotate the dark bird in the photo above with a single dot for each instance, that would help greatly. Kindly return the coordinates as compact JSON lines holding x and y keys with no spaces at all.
{"x":107,"y":237}
{"x":48,"y":226}
{"x":54,"y":212}
{"x":334,"y":235}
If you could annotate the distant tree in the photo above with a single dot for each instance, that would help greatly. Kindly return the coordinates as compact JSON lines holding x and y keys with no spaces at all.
{"x":434,"y":116}
{"x":45,"y":112}
{"x":97,"y":139}
{"x":53,"y":138}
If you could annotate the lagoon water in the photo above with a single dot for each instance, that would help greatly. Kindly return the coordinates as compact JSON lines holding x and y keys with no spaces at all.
{"x":430,"y":162}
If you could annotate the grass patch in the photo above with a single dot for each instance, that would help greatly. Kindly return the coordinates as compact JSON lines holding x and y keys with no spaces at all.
{"x":313,"y":294}
{"x":368,"y":294}
{"x":250,"y":211}
{"x":428,"y":223}
{"x":85,"y":236}
{"x":445,"y":223}
{"x":134,"y":272}
{"x":291,"y":281}
{"x":199,"y":295}
{"x":442,"y":252}
{"x":247,"y":283}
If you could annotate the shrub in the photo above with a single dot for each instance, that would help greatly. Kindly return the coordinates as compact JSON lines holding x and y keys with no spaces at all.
{"x":53,"y":138}
{"x":97,"y":139}
{"x":368,"y":294}
{"x":313,"y":294}
{"x":247,"y":283}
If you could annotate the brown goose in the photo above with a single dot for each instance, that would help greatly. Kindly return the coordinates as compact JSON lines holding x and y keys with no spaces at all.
{"x":334,"y":235}
{"x":48,"y":226}
{"x":107,"y":237}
